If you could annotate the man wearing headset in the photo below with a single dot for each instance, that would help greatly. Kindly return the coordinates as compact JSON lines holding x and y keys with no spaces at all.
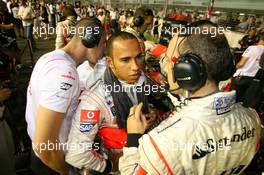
{"x":143,"y":20}
{"x":104,"y":107}
{"x":52,"y":96}
{"x":207,"y":134}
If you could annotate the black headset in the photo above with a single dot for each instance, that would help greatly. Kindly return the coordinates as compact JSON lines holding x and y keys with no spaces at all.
{"x":138,"y":21}
{"x":190,"y":72}
{"x":92,"y":39}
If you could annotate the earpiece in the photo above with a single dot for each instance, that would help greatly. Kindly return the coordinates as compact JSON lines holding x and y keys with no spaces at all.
{"x":92,"y":37}
{"x":190,"y":72}
{"x":138,"y":21}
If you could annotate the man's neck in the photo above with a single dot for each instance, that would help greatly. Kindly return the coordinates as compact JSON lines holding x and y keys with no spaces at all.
{"x":209,"y":88}
{"x":73,"y":54}
{"x":92,"y":65}
{"x":261,"y":43}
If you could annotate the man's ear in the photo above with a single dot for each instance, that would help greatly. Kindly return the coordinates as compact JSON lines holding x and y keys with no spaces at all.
{"x":109,"y":62}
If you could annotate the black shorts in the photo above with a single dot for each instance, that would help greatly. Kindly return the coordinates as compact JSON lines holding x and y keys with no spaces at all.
{"x":241,"y":84}
{"x":155,"y":32}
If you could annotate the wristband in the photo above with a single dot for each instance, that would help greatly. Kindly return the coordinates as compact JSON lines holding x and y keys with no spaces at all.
{"x":132,"y":140}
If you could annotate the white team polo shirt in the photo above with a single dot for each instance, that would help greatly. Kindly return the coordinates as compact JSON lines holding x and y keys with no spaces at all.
{"x":54,"y":84}
{"x":252,"y":65}
{"x":88,"y":75}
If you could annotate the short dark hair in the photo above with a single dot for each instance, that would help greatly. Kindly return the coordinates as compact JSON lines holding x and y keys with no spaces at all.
{"x":144,"y":12}
{"x":261,"y":36}
{"x":85,"y":23}
{"x":69,"y":11}
{"x":214,"y":51}
{"x":117,"y":36}
{"x":3,"y":4}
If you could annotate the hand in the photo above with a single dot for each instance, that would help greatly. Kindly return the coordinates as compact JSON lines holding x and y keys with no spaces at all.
{"x":136,"y":122}
{"x":151,"y":117}
{"x":4,"y":94}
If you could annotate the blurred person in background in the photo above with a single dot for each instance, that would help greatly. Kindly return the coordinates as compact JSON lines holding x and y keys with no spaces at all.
{"x":64,"y":28}
{"x":243,"y":25}
{"x":249,"y":39}
{"x":19,"y":27}
{"x":247,"y":67}
{"x":7,"y":150}
{"x":123,"y":20}
{"x":44,"y":16}
{"x":142,"y":21}
{"x":27,"y":16}
{"x":114,"y":14}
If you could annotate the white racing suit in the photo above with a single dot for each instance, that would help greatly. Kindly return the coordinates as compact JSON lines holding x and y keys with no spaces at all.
{"x":95,"y":115}
{"x":212,"y":135}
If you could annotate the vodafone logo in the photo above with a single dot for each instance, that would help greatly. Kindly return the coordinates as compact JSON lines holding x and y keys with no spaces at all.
{"x":89,"y":116}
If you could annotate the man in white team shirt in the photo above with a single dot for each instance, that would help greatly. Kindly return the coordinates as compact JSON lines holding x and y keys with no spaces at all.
{"x":247,"y":67}
{"x":52,"y":96}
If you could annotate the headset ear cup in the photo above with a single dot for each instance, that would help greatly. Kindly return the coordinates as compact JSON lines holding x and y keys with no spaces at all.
{"x":88,"y":42}
{"x":91,"y":40}
{"x":92,"y":34}
{"x":190,"y":72}
{"x":138,"y":21}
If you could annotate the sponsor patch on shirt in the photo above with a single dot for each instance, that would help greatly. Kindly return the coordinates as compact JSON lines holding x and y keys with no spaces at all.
{"x":90,"y":116}
{"x":65,"y":86}
{"x":69,"y":76}
{"x":222,"y":104}
{"x":86,"y":127}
